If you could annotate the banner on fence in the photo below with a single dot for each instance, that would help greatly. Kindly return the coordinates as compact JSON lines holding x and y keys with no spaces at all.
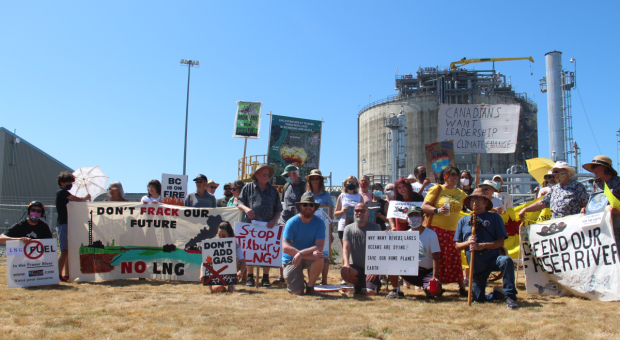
{"x":438,"y":156}
{"x":400,"y":209}
{"x":173,"y":189}
{"x":479,"y":128}
{"x":564,"y":257}
{"x":261,"y":246}
{"x":35,"y":264}
{"x":122,"y":240}
{"x":219,"y":261}
{"x":247,"y":120}
{"x":392,"y":252}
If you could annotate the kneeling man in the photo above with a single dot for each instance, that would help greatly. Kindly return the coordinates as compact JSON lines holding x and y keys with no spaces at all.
{"x":303,"y":240}
{"x":490,"y":235}
{"x":354,"y":253}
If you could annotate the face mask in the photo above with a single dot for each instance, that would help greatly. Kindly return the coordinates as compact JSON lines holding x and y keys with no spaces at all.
{"x":389,"y":193}
{"x":35,"y":216}
{"x":288,"y":180}
{"x":351,"y":186}
{"x":378,"y":193}
{"x":464,"y":181}
{"x":415,"y":221}
{"x":422,"y":176}
{"x":68,"y":187}
{"x":560,"y":177}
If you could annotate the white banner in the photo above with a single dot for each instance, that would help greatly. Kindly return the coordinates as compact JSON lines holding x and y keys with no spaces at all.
{"x":479,"y":128}
{"x":173,"y":189}
{"x":564,"y":257}
{"x":219,"y":261}
{"x":399,"y":209}
{"x":122,"y":240}
{"x":392,"y":252}
{"x":35,"y":264}
{"x":261,"y":246}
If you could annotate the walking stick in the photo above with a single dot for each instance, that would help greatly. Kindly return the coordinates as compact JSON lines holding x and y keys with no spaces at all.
{"x":471,"y":256}
{"x":519,"y":254}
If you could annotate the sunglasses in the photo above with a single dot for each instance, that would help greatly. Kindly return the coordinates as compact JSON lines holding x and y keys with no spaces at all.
{"x":234,"y":189}
{"x":199,"y":182}
{"x":36,"y":210}
{"x":557,"y":172}
{"x":305,"y":205}
{"x":360,"y":211}
{"x":213,"y":187}
{"x":315,"y":179}
{"x":227,"y":188}
{"x":454,"y":173}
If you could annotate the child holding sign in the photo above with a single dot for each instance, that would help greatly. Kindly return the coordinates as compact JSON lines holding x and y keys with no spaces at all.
{"x":225,"y":230}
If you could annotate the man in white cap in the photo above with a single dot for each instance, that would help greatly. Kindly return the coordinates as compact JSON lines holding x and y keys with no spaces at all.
{"x":605,"y":174}
{"x":568,"y":197}
{"x":490,"y":189}
{"x":502,"y":195}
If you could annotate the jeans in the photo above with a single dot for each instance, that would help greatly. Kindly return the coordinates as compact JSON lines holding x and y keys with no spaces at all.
{"x":504,"y":264}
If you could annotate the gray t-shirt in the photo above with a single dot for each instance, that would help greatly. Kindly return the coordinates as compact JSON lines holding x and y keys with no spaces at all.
{"x":357,"y":237}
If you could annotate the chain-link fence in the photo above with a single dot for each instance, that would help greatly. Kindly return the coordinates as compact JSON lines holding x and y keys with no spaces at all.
{"x":13,"y":213}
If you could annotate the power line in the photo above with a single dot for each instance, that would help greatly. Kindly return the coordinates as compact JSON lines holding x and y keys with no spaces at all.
{"x":588,"y":119}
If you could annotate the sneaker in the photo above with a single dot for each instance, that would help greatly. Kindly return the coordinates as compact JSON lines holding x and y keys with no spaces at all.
{"x":310,"y":291}
{"x":62,"y":279}
{"x":429,"y":296}
{"x":512,"y":303}
{"x":265,"y":283}
{"x":463,"y":292}
{"x":401,"y":295}
{"x":393,"y":295}
{"x":250,"y":282}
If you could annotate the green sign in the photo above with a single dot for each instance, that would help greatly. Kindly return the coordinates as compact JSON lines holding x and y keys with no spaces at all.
{"x":247,"y":121}
{"x":294,"y":141}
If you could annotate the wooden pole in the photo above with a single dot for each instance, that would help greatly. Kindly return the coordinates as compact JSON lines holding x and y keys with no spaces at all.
{"x":519,"y":256}
{"x":471,"y":257}
{"x":245,"y":148}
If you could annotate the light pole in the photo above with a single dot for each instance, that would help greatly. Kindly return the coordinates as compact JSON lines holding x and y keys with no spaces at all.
{"x":190,"y":64}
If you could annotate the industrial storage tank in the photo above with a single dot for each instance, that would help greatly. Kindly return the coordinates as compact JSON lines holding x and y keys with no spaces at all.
{"x":417,"y":104}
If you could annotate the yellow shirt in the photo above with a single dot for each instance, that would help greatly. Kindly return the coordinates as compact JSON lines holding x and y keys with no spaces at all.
{"x":455,"y":197}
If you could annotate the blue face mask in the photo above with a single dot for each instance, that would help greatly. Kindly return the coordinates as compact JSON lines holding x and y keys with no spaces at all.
{"x":378,"y":193}
{"x":288,"y":180}
{"x":68,"y":187}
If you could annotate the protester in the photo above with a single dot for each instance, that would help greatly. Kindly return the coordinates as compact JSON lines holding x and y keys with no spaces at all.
{"x":548,"y":182}
{"x":65,"y":181}
{"x":568,"y":197}
{"x":354,"y":253}
{"x":115,"y":193}
{"x":411,"y":178}
{"x":30,"y":228}
{"x":502,"y":195}
{"x":489,"y":189}
{"x":422,"y":183}
{"x":212,"y":186}
{"x":443,"y":223}
{"x":225,"y":230}
{"x":379,"y":205}
{"x":404,"y":193}
{"x":316,"y":187}
{"x":223,"y":202}
{"x":605,"y":174}
{"x":348,"y":198}
{"x":364,"y":184}
{"x":292,"y":192}
{"x":260,"y":201}
{"x":200,"y":198}
{"x":235,"y":189}
{"x":303,"y":240}
{"x":389,"y":192}
{"x":153,"y":192}
{"x":467,"y":182}
{"x":489,"y":238}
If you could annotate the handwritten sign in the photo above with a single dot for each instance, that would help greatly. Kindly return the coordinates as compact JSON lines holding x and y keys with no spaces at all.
{"x":392,"y":252}
{"x":438,"y":156}
{"x":174,"y":189}
{"x":219,"y":261}
{"x":400,"y":209}
{"x":479,"y":128}
{"x":35,"y":264}
{"x":261,"y":246}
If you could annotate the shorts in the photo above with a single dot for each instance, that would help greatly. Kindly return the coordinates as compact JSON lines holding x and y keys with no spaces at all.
{"x":422,"y":280}
{"x":61,"y":232}
{"x":294,"y":276}
{"x":340,"y":234}
{"x":374,"y":285}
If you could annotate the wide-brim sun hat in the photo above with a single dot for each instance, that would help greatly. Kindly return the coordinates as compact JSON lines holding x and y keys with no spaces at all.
{"x":563,"y":165}
{"x":489,"y":184}
{"x":213,"y":182}
{"x":314,"y":173}
{"x":263,"y":166}
{"x":411,"y":176}
{"x":603,"y":161}
{"x":307,"y":199}
{"x":477,"y":193}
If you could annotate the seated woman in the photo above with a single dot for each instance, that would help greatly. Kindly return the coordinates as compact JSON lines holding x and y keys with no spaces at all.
{"x":115,"y":193}
{"x":225,"y":230}
{"x":154,"y":192}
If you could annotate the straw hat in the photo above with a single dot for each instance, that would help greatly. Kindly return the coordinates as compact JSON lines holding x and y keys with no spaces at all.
{"x":213,"y":182}
{"x":601,"y":160}
{"x":477,"y":193}
{"x":563,"y":165}
{"x":314,"y":173}
{"x":307,"y":199}
{"x":262,"y":166}
{"x":489,"y":184}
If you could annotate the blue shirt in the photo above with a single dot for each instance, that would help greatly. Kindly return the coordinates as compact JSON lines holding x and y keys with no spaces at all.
{"x":324,"y":198}
{"x":302,"y":235}
{"x":492,"y":229}
{"x":197,"y":201}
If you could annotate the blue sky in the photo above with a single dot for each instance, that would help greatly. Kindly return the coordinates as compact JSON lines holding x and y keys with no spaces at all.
{"x":99,"y":83}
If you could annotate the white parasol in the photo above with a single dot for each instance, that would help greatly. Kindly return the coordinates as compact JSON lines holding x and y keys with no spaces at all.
{"x":89,"y":180}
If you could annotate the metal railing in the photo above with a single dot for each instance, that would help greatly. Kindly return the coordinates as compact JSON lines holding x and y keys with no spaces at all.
{"x":251,"y":162}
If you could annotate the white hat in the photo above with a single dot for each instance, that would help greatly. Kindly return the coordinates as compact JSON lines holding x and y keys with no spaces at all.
{"x":500,"y":178}
{"x":411,"y":176}
{"x":489,"y":184}
{"x":563,"y":165}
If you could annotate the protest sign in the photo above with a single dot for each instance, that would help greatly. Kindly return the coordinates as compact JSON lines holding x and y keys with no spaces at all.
{"x":294,"y":141}
{"x":392,"y":252}
{"x":479,"y":128}
{"x":438,"y":156}
{"x":219,"y":261}
{"x":174,"y":189}
{"x":247,"y":120}
{"x":261,"y":246}
{"x":562,"y":257}
{"x":122,"y":240}
{"x":350,"y":217}
{"x":399,"y":209}
{"x":326,"y":213}
{"x":35,"y":264}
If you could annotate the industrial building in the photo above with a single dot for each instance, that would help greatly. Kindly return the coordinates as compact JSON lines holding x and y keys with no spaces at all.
{"x":409,"y":119}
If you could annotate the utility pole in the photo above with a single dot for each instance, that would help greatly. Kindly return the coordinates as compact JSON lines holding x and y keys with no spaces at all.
{"x":190,"y":64}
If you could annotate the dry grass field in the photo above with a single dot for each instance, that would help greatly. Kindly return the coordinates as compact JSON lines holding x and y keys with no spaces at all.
{"x":135,"y":309}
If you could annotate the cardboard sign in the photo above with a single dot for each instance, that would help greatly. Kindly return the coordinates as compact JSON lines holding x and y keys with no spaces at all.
{"x":326,"y":213}
{"x":123,"y":240}
{"x":173,"y":189}
{"x":479,"y":128}
{"x":438,"y":156}
{"x":219,"y":261}
{"x":392,"y":252}
{"x":35,"y":264}
{"x":261,"y":246}
{"x":247,"y":120}
{"x":561,"y":257}
{"x":399,"y":209}
{"x":350,"y":217}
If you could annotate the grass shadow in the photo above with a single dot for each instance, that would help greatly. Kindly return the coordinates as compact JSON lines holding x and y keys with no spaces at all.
{"x":51,"y":287}
{"x":130,"y":283}
{"x":247,"y":291}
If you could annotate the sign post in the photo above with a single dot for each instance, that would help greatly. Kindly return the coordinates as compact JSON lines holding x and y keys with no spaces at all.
{"x":247,"y":125}
{"x":174,"y":189}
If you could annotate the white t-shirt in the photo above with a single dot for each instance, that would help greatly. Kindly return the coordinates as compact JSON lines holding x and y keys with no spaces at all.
{"x":429,"y":244}
{"x":417,"y":185}
{"x":497,"y":203}
{"x":505,"y":198}
{"x":542,"y":192}
{"x":146,"y":199}
{"x":347,"y":200}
